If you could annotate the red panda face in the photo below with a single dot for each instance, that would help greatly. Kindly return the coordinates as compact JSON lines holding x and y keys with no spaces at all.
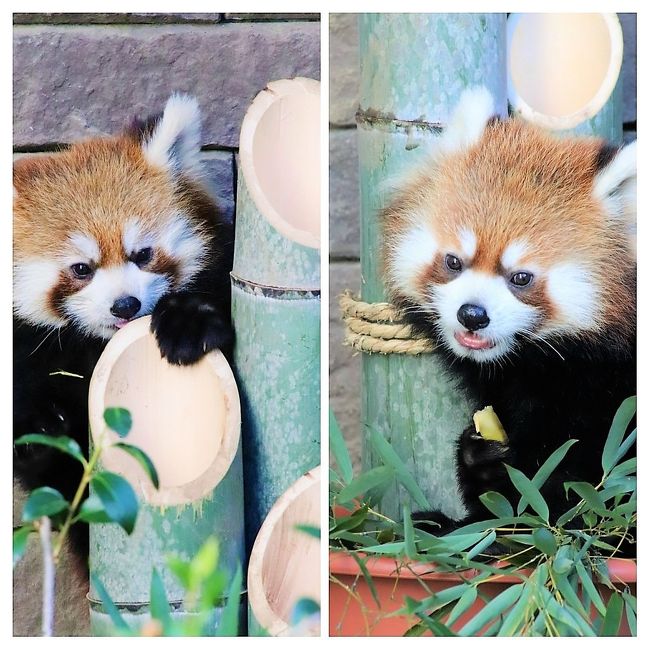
{"x":104,"y":229}
{"x":508,"y":236}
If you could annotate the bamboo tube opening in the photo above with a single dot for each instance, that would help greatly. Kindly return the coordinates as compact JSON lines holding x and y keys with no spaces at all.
{"x":562,"y":68}
{"x":279,"y":150}
{"x":284,"y":564}
{"x":187,"y":419}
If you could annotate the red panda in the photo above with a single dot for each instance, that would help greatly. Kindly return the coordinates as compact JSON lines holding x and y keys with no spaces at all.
{"x":514,"y":250}
{"x":105,"y":231}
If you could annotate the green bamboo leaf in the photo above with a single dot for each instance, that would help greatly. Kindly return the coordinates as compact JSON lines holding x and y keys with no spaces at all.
{"x":482,"y":545}
{"x":547,"y":468}
{"x":181,"y":570}
{"x":117,"y":497}
{"x":351,"y":522}
{"x":545,"y":541}
{"x":588,"y":493}
{"x":563,"y":560}
{"x":391,"y":459}
{"x":229,"y":625}
{"x":392,"y":548}
{"x":43,"y":502}
{"x":530,"y":493}
{"x":110,"y":607}
{"x":462,"y":605}
{"x":160,"y":609}
{"x":339,"y":449}
{"x":492,"y":609}
{"x":363,"y":483}
{"x":304,"y":608}
{"x":434,"y":626}
{"x":625,"y":446}
{"x":623,"y":469}
{"x":119,"y":420}
{"x":409,"y":535}
{"x":570,"y":596}
{"x":432,"y":603}
{"x":142,"y":458}
{"x":497,"y":504}
{"x":20,"y":539}
{"x":630,"y":611}
{"x":92,"y":511}
{"x":518,"y":614}
{"x":311,"y":531}
{"x":613,"y":616}
{"x":205,"y":562}
{"x":589,"y":587}
{"x":622,"y":419}
{"x":361,"y":563}
{"x":62,"y":443}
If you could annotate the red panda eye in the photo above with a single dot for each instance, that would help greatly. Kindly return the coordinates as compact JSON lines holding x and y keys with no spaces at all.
{"x":143,"y":256}
{"x":81,"y":271}
{"x":521,"y":279}
{"x":453,"y":263}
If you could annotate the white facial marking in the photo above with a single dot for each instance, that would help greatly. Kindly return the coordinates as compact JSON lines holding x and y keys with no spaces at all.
{"x":133,"y":238}
{"x":180,"y":240}
{"x":513,"y":254}
{"x":85,"y":247}
{"x":508,"y":316}
{"x":412,"y":253}
{"x":467,"y":243}
{"x":33,"y":281}
{"x":90,"y":308}
{"x":575,"y":295}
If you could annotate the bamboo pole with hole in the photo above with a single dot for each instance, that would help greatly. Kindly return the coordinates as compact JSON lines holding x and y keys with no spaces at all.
{"x":276,"y":291}
{"x":414,"y":68}
{"x":187,"y":419}
{"x":564,"y":72}
{"x":284,"y":564}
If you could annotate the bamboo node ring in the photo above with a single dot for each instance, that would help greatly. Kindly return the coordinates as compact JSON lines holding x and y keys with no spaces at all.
{"x":380,"y":327}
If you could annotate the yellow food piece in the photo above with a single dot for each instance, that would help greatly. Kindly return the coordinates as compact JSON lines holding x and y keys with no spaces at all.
{"x":488,"y":425}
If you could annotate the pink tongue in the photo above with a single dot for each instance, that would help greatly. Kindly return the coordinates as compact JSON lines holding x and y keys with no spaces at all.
{"x":120,"y":323}
{"x":473,"y":341}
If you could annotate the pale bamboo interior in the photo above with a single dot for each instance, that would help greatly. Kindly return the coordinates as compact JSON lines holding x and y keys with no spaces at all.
{"x":180,"y":415}
{"x":563,"y":66}
{"x":280,"y":157}
{"x":285,"y":562}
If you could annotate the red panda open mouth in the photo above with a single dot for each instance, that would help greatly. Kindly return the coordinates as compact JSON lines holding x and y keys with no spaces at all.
{"x":120,"y":323}
{"x":473,"y":341}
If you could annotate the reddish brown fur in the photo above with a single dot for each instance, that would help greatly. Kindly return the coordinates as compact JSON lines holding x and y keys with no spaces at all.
{"x":93,"y":187}
{"x":519,"y":182}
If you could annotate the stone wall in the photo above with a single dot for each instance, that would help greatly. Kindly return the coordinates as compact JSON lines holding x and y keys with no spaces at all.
{"x":344,"y":201}
{"x":78,"y":75}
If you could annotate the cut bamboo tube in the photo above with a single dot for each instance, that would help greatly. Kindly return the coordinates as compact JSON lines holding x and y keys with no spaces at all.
{"x":276,"y":292}
{"x":564,"y":72}
{"x":187,"y":419}
{"x":284,"y":564}
{"x":414,"y":68}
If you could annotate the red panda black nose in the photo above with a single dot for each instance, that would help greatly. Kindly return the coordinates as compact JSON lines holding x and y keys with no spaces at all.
{"x":126,"y":307}
{"x":473,"y":317}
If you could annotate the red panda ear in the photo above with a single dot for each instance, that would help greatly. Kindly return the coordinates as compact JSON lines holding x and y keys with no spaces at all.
{"x":475,"y":109}
{"x":174,"y":140}
{"x":615,"y":186}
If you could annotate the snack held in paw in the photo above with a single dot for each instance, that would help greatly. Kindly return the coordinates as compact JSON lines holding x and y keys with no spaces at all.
{"x":488,"y":425}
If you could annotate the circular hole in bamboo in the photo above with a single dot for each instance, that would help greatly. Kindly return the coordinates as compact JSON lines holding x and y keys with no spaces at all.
{"x":186,"y":419}
{"x":280,"y":157}
{"x":562,"y":68}
{"x":284,"y":564}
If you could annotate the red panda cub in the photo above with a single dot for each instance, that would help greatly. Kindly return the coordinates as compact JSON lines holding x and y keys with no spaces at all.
{"x":105,"y":231}
{"x":514,"y":250}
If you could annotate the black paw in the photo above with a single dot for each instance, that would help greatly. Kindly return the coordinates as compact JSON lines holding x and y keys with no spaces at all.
{"x":187,"y":327}
{"x":480,"y":461}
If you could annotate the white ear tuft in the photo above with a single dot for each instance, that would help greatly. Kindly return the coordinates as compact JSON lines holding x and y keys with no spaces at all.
{"x":615,"y":186}
{"x":176,"y":139}
{"x":474,"y":110}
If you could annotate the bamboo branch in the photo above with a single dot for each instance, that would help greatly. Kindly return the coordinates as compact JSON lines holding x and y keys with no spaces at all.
{"x":45,"y":534}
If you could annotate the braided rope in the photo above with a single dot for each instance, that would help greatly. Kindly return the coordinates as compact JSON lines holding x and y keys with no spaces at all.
{"x":379,"y":327}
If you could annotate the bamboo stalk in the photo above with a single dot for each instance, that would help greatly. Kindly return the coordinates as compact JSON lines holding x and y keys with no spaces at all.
{"x":285,"y":562}
{"x":187,"y":419}
{"x":414,"y":68}
{"x":553,"y":83}
{"x":276,"y":292}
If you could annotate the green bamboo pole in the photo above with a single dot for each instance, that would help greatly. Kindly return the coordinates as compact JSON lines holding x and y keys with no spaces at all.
{"x":276,"y":292}
{"x":284,"y":564}
{"x":414,"y":68}
{"x":547,"y":51}
{"x":188,"y":421}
